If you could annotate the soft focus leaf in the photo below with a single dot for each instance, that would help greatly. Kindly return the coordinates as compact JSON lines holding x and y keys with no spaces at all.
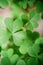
{"x":19,"y":37}
{"x":3,"y":3}
{"x":5,"y":61}
{"x":21,"y":62}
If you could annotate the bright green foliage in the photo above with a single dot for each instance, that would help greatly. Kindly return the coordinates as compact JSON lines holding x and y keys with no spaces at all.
{"x":34,"y":18}
{"x":34,"y":50}
{"x":25,"y":46}
{"x":14,"y":58}
{"x":9,"y":24}
{"x":5,"y":61}
{"x":7,"y":53}
{"x":19,"y":38}
{"x":3,"y":3}
{"x":19,"y":44}
{"x":17,"y":25}
{"x":4,"y":37}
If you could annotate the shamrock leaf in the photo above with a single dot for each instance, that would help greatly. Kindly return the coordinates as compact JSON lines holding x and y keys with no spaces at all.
{"x":7,"y":53}
{"x":33,"y":21}
{"x":21,"y":62}
{"x":31,"y":3}
{"x":39,"y":40}
{"x":17,"y":25}
{"x":32,"y":61}
{"x":5,"y":61}
{"x":41,"y":58}
{"x":19,"y":37}
{"x":14,"y":58}
{"x":34,"y":50}
{"x":9,"y":24}
{"x":25,"y":46}
{"x":23,"y":4}
{"x":4,"y":37}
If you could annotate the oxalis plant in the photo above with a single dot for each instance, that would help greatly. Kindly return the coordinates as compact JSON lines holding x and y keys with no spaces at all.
{"x":19,"y":44}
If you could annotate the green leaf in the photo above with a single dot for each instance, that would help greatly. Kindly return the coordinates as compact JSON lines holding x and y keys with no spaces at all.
{"x":10,"y":52}
{"x":29,"y":26}
{"x":32,"y":61}
{"x":41,"y":58}
{"x":24,"y":18}
{"x":17,"y":25}
{"x":32,"y":25}
{"x":16,"y":10}
{"x":4,"y":37}
{"x":21,"y":62}
{"x":23,"y":4}
{"x":13,"y":26}
{"x":3,"y":3}
{"x":39,"y":40}
{"x":32,"y":13}
{"x":29,"y":34}
{"x":14,"y":58}
{"x":39,"y":8}
{"x":3,"y":53}
{"x":5,"y":61}
{"x":33,"y":21}
{"x":35,"y":18}
{"x":19,"y":37}
{"x":7,"y":53}
{"x":25,"y":46}
{"x":9,"y":24}
{"x":35,"y":36}
{"x":31,"y":3}
{"x":34,"y":50}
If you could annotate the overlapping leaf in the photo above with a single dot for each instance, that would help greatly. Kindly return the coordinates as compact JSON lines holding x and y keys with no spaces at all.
{"x":34,"y":18}
{"x":19,"y":37}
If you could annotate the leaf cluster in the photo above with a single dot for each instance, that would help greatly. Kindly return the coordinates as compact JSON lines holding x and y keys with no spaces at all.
{"x":19,"y":44}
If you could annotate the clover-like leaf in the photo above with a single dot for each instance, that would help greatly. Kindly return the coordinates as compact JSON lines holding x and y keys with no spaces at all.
{"x":39,"y":40}
{"x":31,"y":3}
{"x":5,"y":61}
{"x":25,"y":46}
{"x":19,"y":37}
{"x":23,"y":4}
{"x":29,"y":34}
{"x":7,"y":53}
{"x":41,"y":58}
{"x":35,"y":36}
{"x":9,"y":24}
{"x":21,"y":62}
{"x":3,"y":3}
{"x":32,"y":61}
{"x":15,"y":10}
{"x":33,"y":21}
{"x":34,"y":50}
{"x":17,"y":25}
{"x":14,"y":58}
{"x":4,"y":37}
{"x":10,"y":52}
